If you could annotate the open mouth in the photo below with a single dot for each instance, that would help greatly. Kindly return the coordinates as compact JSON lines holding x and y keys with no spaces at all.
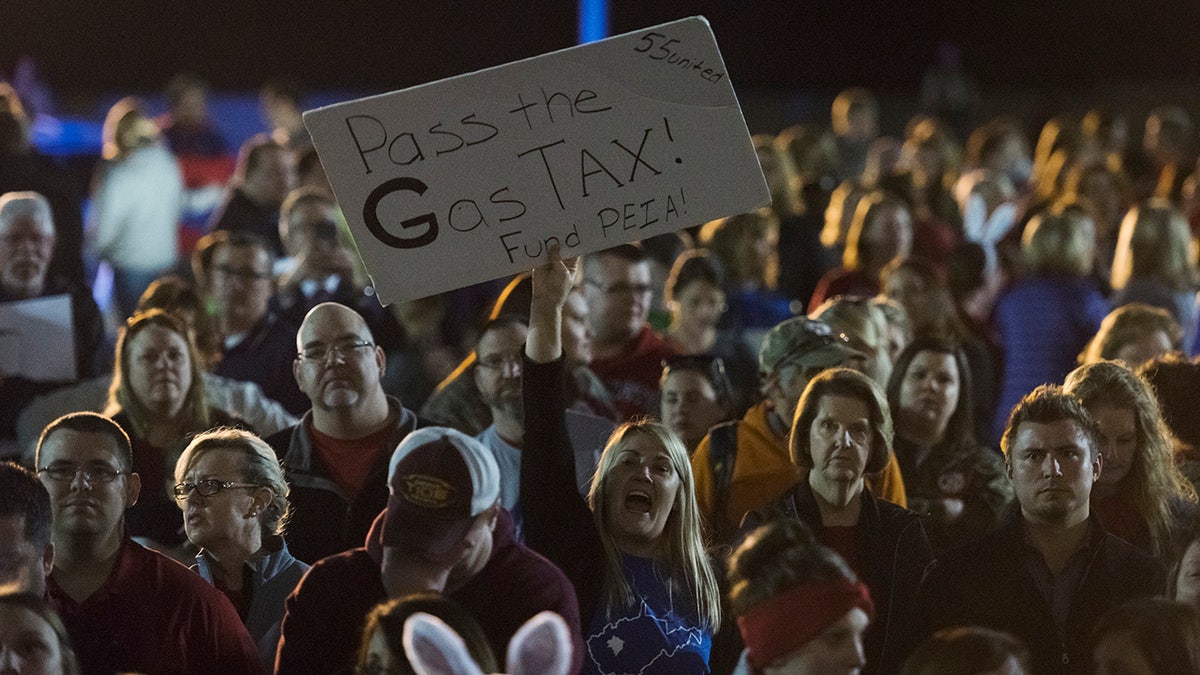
{"x":638,"y":501}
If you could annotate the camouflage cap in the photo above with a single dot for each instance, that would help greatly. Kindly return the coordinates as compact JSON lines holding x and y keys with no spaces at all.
{"x":807,"y":342}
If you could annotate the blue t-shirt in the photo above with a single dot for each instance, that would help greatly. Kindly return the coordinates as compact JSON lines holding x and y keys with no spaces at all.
{"x":660,"y":634}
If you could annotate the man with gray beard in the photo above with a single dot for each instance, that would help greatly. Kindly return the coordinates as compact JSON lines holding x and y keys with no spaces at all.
{"x":497,"y":373}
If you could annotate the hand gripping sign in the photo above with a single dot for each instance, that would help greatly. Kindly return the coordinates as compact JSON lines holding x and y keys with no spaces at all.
{"x":471,"y":178}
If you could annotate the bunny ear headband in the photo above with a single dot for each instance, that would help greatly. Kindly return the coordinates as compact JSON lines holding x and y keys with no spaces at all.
{"x":986,"y":231}
{"x":541,"y":647}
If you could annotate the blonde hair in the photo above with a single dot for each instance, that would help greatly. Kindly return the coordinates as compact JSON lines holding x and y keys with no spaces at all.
{"x":732,"y":241}
{"x":120,"y":394}
{"x":813,"y":155}
{"x":851,"y":102}
{"x":866,"y":324}
{"x":839,"y":215}
{"x":928,"y":134}
{"x":1154,"y":243}
{"x":871,"y":210}
{"x":781,"y":176}
{"x":1063,"y":242}
{"x":1128,"y":324}
{"x":126,"y":128}
{"x":259,"y":466}
{"x":1153,"y":483}
{"x":682,"y":540}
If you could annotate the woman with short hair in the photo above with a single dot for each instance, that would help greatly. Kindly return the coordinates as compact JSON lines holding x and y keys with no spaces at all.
{"x":232,"y":492}
{"x":695,"y":294}
{"x":843,"y":431}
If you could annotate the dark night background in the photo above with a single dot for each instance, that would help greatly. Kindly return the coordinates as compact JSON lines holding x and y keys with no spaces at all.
{"x":1043,"y":51}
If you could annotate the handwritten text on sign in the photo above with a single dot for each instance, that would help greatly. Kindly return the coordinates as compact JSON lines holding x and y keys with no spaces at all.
{"x":471,"y":178}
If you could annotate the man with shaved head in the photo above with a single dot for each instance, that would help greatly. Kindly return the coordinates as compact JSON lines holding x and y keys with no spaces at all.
{"x":336,"y":458}
{"x":27,"y":238}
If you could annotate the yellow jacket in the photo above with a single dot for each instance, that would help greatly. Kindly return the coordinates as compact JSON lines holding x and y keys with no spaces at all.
{"x":763,"y":470}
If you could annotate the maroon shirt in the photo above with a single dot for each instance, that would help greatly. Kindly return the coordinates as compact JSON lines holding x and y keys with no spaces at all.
{"x":153,"y":615}
{"x":632,"y":376}
{"x":323,"y":625}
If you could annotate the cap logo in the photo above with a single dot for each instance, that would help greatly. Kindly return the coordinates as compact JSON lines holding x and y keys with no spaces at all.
{"x":427,"y":491}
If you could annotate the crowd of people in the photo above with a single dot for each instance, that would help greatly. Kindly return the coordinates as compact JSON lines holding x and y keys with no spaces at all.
{"x":930,"y":411}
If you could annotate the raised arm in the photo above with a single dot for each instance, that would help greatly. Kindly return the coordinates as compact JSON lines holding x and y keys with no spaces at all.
{"x":558,"y":523}
{"x":552,"y":284}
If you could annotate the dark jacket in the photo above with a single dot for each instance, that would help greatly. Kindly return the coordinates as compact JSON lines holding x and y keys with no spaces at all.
{"x":895,"y":551}
{"x":264,"y":356}
{"x":240,"y":213}
{"x":92,"y":355}
{"x":988,"y":583}
{"x":964,"y":471}
{"x":557,"y":522}
{"x":325,"y":520}
{"x":322,"y":626}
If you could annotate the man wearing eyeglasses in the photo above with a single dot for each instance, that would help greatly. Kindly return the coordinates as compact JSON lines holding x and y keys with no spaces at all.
{"x":498,"y":378}
{"x":627,"y":354}
{"x":127,"y":608}
{"x":234,"y":272}
{"x":27,"y":238}
{"x":336,"y":458}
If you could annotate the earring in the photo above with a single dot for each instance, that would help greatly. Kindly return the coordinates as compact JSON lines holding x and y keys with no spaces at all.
{"x":253,"y":513}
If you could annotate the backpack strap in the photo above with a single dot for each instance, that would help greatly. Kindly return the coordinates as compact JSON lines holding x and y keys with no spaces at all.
{"x":722,"y":455}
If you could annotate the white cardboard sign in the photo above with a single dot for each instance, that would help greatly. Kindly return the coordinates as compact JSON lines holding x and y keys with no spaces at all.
{"x":470,"y":178}
{"x":37,"y":339}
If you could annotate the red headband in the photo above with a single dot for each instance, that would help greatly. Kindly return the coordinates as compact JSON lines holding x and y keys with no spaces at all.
{"x":788,"y":621}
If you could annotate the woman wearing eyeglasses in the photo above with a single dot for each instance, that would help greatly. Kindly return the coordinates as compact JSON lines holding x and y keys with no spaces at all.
{"x":235,"y":505}
{"x":157,"y":396}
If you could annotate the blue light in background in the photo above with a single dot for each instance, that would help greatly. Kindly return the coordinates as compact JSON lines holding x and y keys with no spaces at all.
{"x":593,"y":20}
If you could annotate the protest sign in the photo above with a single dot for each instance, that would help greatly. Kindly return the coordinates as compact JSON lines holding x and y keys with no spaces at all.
{"x":37,"y":339}
{"x":471,"y":178}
